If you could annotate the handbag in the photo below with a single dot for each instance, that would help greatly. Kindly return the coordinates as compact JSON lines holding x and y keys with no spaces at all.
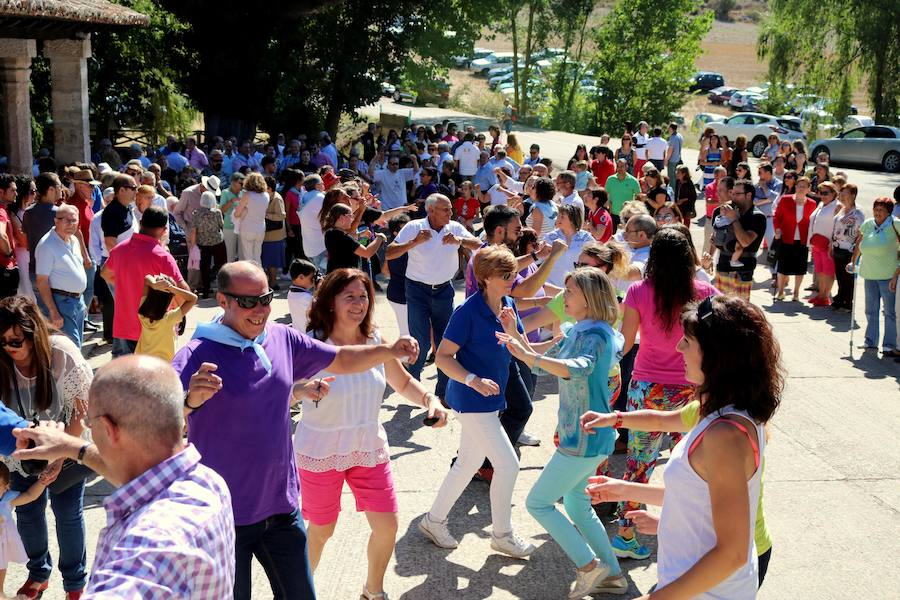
{"x":71,"y":471}
{"x":274,"y":225}
{"x":772,"y":253}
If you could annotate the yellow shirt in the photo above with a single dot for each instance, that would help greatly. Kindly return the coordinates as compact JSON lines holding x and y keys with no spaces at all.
{"x":516,"y":154}
{"x":690,"y":416}
{"x":158,"y":337}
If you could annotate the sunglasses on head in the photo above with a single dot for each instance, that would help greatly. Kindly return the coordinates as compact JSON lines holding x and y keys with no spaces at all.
{"x":12,"y":343}
{"x":705,"y":310}
{"x":252,"y":301}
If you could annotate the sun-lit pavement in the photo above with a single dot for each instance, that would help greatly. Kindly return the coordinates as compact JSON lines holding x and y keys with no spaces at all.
{"x":832,"y":492}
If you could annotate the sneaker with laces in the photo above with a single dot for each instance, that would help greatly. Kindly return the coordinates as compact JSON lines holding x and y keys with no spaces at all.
{"x":512,"y":545}
{"x":587,"y":582}
{"x":526,"y":439}
{"x":437,"y":532}
{"x":617,"y":584}
{"x":629,"y":548}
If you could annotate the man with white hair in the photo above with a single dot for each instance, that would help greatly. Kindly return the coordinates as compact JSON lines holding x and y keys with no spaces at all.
{"x":170,"y":529}
{"x":433,"y":246}
{"x":61,"y":276}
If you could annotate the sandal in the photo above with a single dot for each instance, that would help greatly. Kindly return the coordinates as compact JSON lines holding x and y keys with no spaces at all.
{"x":28,"y":589}
{"x":366,"y":595}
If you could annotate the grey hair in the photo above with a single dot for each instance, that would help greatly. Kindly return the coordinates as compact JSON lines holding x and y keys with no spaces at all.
{"x":720,"y":169}
{"x":433,"y":199}
{"x":644,"y":223}
{"x":67,"y":208}
{"x":144,"y":395}
{"x":567,"y":176}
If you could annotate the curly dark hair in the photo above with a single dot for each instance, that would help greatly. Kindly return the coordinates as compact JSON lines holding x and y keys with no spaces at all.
{"x":321,"y":313}
{"x":741,"y":357}
{"x":671,"y":269}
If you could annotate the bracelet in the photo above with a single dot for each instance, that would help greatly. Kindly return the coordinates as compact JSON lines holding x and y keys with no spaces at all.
{"x":188,"y":406}
{"x":81,"y":452}
{"x":618,"y":423}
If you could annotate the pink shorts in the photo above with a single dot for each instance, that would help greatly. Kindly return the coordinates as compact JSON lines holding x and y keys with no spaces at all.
{"x":822,"y":263}
{"x":320,"y":493}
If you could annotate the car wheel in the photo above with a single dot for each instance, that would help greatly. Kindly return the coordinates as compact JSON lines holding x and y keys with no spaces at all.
{"x":891,"y":162}
{"x":758,"y":146}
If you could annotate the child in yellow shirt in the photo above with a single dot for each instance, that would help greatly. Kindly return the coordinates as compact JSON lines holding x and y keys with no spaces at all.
{"x":157,"y":321}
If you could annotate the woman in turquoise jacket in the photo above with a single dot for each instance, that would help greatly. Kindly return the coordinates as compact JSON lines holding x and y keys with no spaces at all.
{"x":581,"y":360}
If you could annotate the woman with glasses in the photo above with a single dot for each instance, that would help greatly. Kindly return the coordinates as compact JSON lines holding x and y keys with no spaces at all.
{"x":478,"y":368}
{"x":44,"y":376}
{"x":821,"y":228}
{"x":653,"y":308}
{"x":847,"y":221}
{"x":713,"y":479}
{"x":791,"y":222}
{"x":340,"y":439}
{"x":668,"y":214}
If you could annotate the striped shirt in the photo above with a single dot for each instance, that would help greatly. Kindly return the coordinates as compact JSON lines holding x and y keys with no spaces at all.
{"x":169,"y":534}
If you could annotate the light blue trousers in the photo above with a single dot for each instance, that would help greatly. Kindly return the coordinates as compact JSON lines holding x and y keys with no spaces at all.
{"x":567,"y":476}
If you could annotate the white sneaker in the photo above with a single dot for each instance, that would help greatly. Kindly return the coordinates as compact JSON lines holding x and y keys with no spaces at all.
{"x":526,"y":439}
{"x":437,"y":532}
{"x":512,"y":545}
{"x":587,"y":582}
{"x":612,"y":585}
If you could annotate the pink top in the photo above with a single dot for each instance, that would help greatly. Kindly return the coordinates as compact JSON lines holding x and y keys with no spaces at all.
{"x":657,"y":359}
{"x":130,"y":262}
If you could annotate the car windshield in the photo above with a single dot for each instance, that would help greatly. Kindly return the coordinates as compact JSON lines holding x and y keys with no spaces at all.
{"x":790,"y":124}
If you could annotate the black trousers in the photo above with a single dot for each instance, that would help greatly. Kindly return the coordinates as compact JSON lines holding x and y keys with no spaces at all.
{"x":107,"y":304}
{"x":217,"y":255}
{"x":293,"y":248}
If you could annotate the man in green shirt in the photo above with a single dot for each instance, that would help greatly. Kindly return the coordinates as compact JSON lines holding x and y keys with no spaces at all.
{"x":622,"y":187}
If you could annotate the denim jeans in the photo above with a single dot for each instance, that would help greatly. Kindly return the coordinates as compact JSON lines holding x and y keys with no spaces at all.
{"x":88,"y":294}
{"x":279,"y":544}
{"x":32,"y":524}
{"x":73,"y":313}
{"x":877,"y":293}
{"x":121,"y":347}
{"x":429,"y":310}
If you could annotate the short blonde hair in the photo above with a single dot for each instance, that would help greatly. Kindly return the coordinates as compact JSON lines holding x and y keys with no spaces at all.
{"x":254,"y":182}
{"x":599,"y":293}
{"x":633,"y":208}
{"x":491,"y":261}
{"x":146,"y":190}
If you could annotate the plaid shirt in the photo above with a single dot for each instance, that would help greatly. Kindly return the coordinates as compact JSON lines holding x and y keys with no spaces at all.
{"x":169,"y":534}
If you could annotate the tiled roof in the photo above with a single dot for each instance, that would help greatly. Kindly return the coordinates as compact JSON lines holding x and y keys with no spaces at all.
{"x":98,"y":12}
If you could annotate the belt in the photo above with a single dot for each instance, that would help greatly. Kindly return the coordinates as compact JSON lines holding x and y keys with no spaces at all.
{"x":435,"y":286}
{"x":65,"y":293}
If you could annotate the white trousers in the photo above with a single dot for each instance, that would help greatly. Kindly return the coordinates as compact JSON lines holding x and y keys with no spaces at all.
{"x":251,"y":247}
{"x":402,"y":319}
{"x":482,"y":436}
{"x":231,"y":244}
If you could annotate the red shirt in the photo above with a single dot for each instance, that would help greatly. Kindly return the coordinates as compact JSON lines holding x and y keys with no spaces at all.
{"x":785,"y":219}
{"x":711,"y":193}
{"x":600,"y":218}
{"x":7,"y":262}
{"x":291,"y":205}
{"x":85,"y":216}
{"x":131,"y":261}
{"x":467,"y":209}
{"x":603,"y":169}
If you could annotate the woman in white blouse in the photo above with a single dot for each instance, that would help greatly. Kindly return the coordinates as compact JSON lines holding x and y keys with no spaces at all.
{"x":339,"y":438}
{"x":251,"y":214}
{"x":44,"y":376}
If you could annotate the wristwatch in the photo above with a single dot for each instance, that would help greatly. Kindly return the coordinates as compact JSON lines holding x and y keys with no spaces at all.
{"x":186,"y":405}
{"x":534,"y":256}
{"x":81,"y":452}
{"x":469,"y":378}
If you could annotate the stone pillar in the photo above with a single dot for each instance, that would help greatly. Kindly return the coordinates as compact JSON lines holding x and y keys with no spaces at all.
{"x":15,"y":77}
{"x":69,"y":98}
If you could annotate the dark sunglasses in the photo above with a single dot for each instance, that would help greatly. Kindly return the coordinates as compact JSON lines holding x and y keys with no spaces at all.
{"x":252,"y":301}
{"x":130,"y":187}
{"x":705,"y":310}
{"x":12,"y":343}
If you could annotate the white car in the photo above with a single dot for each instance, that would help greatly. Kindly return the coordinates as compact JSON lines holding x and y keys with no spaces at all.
{"x":742,"y":98}
{"x":757,"y":128}
{"x":495,"y":59}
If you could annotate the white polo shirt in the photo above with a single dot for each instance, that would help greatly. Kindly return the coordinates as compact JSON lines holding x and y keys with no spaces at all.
{"x":573,"y":198}
{"x":466,"y":156}
{"x":432,"y":262}
{"x":656,"y":148}
{"x":62,"y":262}
{"x":393,"y":186}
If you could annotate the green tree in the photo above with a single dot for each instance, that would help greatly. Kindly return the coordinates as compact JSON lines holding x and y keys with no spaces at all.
{"x":645,"y":56}
{"x":830,"y":44}
{"x":572,"y":17}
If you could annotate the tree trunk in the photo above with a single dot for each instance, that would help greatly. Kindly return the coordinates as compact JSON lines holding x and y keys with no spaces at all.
{"x":579,"y":53}
{"x":523,"y":96}
{"x":515,"y":61}
{"x":877,"y":88}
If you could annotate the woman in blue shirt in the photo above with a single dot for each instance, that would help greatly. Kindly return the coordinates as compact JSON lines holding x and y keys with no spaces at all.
{"x":478,"y":368}
{"x":582,"y":361}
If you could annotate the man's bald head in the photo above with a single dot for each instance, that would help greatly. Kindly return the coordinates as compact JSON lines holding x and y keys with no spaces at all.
{"x":242,"y":270}
{"x":143,"y":396}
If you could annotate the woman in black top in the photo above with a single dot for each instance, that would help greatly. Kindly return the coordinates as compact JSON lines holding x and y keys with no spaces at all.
{"x":738,"y":155}
{"x":344,"y":251}
{"x":685,"y":193}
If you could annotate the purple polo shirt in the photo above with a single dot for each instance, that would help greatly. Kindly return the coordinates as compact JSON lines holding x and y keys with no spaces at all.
{"x":244,"y":432}
{"x":472,"y":284}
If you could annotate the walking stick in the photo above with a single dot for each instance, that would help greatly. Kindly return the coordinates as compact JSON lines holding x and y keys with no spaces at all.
{"x":852,"y":307}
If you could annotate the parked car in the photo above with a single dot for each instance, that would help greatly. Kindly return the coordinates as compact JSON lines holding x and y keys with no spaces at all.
{"x":701,"y":119}
{"x":705,"y":81}
{"x":873,"y":145}
{"x":463,"y":61}
{"x":740,"y":99}
{"x":495,"y":59}
{"x":435,"y":92}
{"x":757,"y":127}
{"x":721,"y":94}
{"x":387,"y":89}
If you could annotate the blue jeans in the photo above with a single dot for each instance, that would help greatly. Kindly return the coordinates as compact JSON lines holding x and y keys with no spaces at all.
{"x":428,"y":310}
{"x":88,"y":294}
{"x":32,"y":524}
{"x":877,"y":292}
{"x":279,"y":544}
{"x":568,"y":475}
{"x":73,"y":313}
{"x":121,"y":347}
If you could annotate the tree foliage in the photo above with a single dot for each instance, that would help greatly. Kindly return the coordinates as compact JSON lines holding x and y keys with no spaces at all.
{"x":831,"y":44}
{"x":567,"y":102}
{"x":645,"y":56}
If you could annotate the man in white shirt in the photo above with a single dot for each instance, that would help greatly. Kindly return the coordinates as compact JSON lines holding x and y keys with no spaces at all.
{"x":640,"y":147}
{"x":392,"y":182}
{"x":656,"y":149}
{"x":310,"y":227}
{"x":466,"y":156}
{"x":565,"y":187}
{"x":433,"y":246}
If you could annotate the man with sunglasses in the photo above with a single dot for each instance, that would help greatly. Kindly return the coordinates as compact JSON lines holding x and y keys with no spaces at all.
{"x":125,"y":269}
{"x":392,"y":182}
{"x":239,"y":372}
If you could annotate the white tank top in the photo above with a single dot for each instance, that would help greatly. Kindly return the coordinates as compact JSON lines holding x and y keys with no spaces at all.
{"x":686,"y":531}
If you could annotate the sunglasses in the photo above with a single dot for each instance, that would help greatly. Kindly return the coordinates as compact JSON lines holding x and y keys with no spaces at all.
{"x":579,"y":265}
{"x":130,"y":187}
{"x":251,"y":301}
{"x":705,"y":310}
{"x":133,"y":173}
{"x":12,"y":343}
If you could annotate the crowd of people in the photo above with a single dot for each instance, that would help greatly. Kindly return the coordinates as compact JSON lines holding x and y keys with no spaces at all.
{"x":585,"y":273}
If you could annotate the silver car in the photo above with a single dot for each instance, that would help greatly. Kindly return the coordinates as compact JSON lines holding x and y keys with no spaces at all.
{"x":875,"y":145}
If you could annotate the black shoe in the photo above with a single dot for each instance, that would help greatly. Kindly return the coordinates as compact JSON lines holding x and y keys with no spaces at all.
{"x":430,"y":359}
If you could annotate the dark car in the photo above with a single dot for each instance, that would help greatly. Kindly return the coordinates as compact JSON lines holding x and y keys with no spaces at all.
{"x":721,"y":95}
{"x":705,"y":81}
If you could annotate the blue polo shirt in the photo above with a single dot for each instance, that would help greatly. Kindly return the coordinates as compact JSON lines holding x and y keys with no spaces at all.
{"x":9,"y":421}
{"x":472,"y":327}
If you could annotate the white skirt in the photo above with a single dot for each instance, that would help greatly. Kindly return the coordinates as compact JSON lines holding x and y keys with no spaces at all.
{"x":11,"y":548}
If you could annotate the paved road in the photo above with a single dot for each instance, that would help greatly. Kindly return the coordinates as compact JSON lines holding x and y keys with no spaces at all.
{"x":560,"y":146}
